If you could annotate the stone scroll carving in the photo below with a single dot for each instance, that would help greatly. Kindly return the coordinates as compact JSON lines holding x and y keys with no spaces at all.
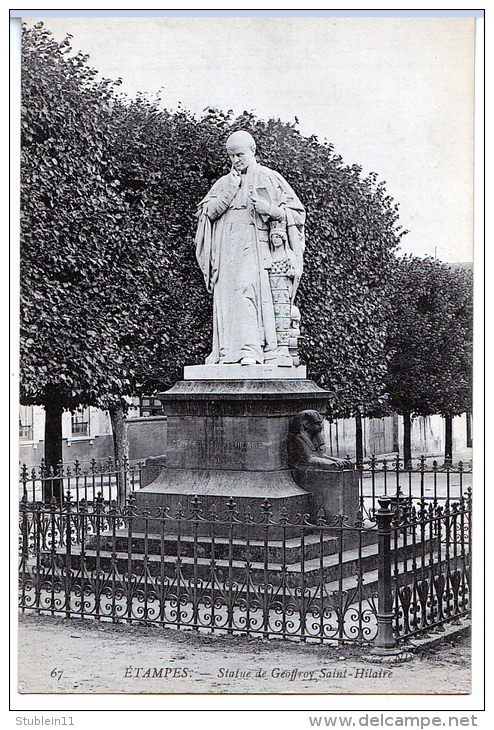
{"x":282,"y":278}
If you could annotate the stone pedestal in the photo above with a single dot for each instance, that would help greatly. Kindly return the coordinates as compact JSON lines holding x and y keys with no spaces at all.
{"x":244,"y":372}
{"x":336,"y":492}
{"x":228,"y":438}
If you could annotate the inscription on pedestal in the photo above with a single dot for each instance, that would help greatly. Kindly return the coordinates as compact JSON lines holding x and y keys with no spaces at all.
{"x":183,"y":443}
{"x":226,"y":443}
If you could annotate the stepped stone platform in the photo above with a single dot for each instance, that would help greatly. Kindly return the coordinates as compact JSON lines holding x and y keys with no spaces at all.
{"x":294,"y":562}
{"x":290,"y":551}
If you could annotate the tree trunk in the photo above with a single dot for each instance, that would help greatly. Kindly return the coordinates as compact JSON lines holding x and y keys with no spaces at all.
{"x":53,"y":447}
{"x":448,"y":439}
{"x":120,"y":448}
{"x":469,"y":430}
{"x":407,"y":439}
{"x":396,"y":442}
{"x":359,"y":442}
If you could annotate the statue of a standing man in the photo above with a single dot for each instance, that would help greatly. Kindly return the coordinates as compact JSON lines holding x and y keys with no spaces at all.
{"x":235,"y":255}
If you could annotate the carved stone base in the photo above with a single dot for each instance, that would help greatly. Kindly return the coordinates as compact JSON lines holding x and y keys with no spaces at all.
{"x":177,"y":488}
{"x":228,"y":439}
{"x":235,"y":371}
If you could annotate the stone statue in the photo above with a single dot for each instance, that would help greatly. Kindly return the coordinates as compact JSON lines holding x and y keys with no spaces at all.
{"x":246,"y":216}
{"x":306,"y":444}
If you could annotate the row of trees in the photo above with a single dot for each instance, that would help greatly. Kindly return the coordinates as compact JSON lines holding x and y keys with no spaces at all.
{"x":112,"y":300}
{"x":430,"y":340}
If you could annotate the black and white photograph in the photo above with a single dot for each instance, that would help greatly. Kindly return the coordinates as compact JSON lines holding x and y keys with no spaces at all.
{"x":243,"y":303}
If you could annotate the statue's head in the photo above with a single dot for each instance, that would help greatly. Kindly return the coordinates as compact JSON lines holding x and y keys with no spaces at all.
{"x":311,"y":423}
{"x":241,"y":149}
{"x":277,"y":234}
{"x":306,"y":445}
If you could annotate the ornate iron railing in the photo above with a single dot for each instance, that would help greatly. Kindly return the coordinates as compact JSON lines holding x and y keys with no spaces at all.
{"x":109,"y":479}
{"x":383,"y":582}
{"x":418,"y":480}
{"x":219,"y":572}
{"x":432,"y":583}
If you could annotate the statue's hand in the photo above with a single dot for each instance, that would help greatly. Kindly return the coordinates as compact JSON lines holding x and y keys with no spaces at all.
{"x":261,"y":206}
{"x":234,"y":178}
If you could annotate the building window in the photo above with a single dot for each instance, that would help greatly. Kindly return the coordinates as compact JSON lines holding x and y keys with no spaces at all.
{"x":80,"y":422}
{"x":26,"y":423}
{"x":150,"y":406}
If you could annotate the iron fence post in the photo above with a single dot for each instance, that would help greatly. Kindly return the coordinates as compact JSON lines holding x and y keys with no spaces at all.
{"x":121,"y":469}
{"x":23,"y":567}
{"x":385,"y":642}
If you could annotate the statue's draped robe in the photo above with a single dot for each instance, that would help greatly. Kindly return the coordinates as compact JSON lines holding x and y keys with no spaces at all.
{"x":233,"y":252}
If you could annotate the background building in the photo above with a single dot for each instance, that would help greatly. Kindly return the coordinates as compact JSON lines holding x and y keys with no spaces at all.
{"x":87,"y":434}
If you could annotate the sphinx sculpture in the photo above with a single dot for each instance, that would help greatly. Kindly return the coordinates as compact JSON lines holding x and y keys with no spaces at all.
{"x":306,"y":444}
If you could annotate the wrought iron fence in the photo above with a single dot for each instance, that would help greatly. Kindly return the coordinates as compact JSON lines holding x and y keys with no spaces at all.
{"x":323,"y":580}
{"x":246,"y":575}
{"x":87,"y":481}
{"x":431,"y":583}
{"x":418,"y":480}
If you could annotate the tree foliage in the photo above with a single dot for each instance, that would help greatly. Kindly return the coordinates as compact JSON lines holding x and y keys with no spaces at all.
{"x":431,"y":338}
{"x":113,"y":302}
{"x":351,"y":234}
{"x":71,"y":228}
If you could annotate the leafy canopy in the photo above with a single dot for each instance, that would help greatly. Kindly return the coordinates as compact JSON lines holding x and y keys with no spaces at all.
{"x":113,"y":302}
{"x":431,"y":338}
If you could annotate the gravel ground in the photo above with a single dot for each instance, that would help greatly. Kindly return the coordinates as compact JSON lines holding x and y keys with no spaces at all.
{"x":58,"y":656}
